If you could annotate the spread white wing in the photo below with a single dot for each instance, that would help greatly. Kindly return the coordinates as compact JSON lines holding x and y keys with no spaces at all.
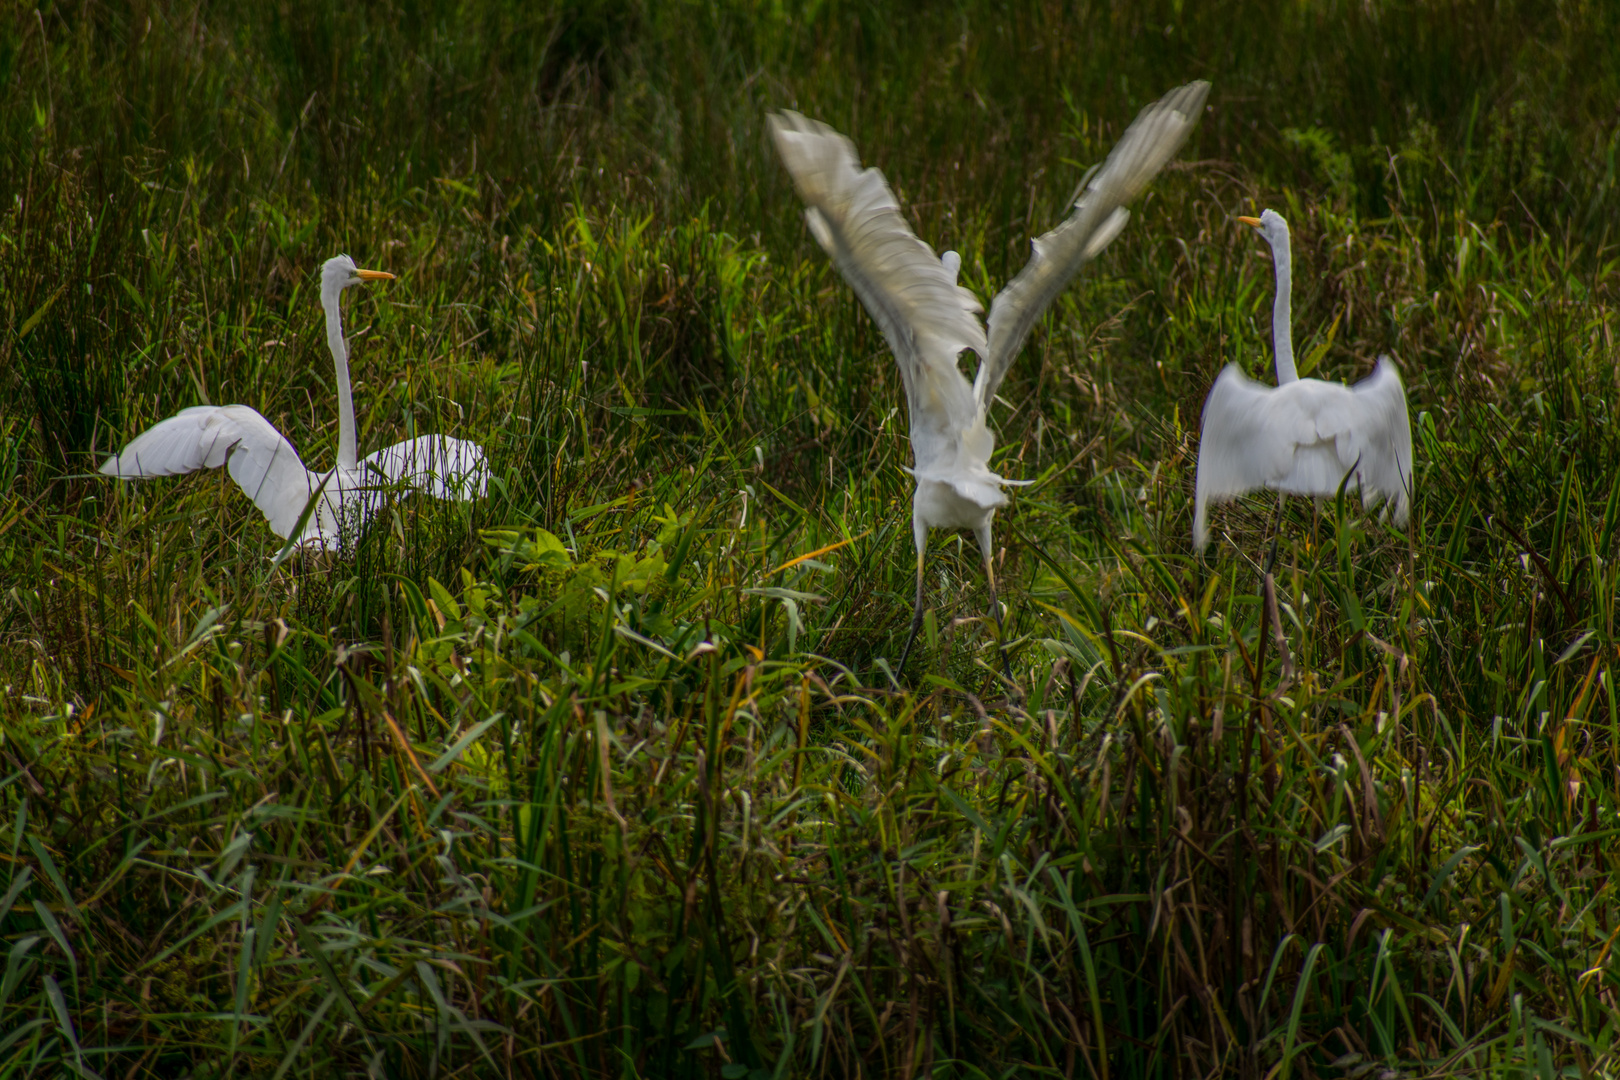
{"x":1148,"y":144}
{"x":1303,"y":438}
{"x":436,"y":465}
{"x":927,"y":319}
{"x":262,"y":462}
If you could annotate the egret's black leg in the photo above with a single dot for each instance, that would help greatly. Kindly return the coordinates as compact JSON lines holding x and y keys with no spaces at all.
{"x":987,"y":548}
{"x":995,"y":609}
{"x":916,"y":616}
{"x":1276,"y":534}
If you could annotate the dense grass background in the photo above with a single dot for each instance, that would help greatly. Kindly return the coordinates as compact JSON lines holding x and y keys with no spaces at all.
{"x":603,"y":776}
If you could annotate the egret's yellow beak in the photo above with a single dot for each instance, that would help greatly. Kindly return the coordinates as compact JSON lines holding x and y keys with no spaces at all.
{"x":1250,"y":221}
{"x":373,"y":275}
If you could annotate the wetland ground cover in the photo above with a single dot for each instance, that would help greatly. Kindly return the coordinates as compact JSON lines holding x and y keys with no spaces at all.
{"x":606,"y":775}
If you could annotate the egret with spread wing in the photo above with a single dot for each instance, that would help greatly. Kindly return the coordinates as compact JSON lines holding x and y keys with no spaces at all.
{"x":1303,"y":436}
{"x":265,"y":465}
{"x":929,"y":320}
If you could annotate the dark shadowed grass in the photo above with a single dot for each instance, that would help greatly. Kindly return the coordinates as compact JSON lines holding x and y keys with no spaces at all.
{"x":607,"y":774}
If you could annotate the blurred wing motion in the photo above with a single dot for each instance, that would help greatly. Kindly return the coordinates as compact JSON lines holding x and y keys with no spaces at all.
{"x":927,"y":319}
{"x":262,"y":462}
{"x":1303,"y":438}
{"x":1147,"y":145}
{"x":435,"y":465}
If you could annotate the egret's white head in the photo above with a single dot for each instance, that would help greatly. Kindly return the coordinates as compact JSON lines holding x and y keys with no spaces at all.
{"x":339,"y":272}
{"x":1270,"y":225}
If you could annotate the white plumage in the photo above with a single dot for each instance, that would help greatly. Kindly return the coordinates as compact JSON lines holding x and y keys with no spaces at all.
{"x":267,"y":467}
{"x":436,"y":465}
{"x":929,"y":320}
{"x":1304,"y":436}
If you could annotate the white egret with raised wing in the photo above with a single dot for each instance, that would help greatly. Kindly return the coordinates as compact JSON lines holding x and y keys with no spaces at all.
{"x":267,"y":467}
{"x":1302,"y":436}
{"x":929,"y":320}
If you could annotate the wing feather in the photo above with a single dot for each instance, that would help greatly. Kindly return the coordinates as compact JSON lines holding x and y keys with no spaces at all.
{"x":927,"y":319}
{"x":1148,"y":144}
{"x":1303,"y":438}
{"x":436,"y":465}
{"x":261,"y":460}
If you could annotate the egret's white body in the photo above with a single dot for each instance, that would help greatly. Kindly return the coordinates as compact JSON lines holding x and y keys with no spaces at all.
{"x":1303,"y":436}
{"x":929,"y":320}
{"x":267,"y":467}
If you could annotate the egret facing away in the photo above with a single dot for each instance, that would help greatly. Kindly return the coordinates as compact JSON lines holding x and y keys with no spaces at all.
{"x":928,"y":320}
{"x":265,"y":465}
{"x":1303,"y":436}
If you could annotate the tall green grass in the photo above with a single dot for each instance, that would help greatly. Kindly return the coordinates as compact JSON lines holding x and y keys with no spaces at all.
{"x":608,"y":774}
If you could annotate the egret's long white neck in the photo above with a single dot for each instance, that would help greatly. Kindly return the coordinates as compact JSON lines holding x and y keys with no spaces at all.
{"x":1282,"y":334}
{"x":331,"y":295}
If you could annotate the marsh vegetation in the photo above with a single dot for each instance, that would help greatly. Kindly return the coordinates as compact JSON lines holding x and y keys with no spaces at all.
{"x":606,"y":774}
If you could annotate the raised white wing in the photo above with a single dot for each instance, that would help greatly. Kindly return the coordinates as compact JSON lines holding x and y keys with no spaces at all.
{"x":436,"y":465}
{"x":1303,"y":438}
{"x":927,"y":319}
{"x":262,"y":462}
{"x":1148,"y":144}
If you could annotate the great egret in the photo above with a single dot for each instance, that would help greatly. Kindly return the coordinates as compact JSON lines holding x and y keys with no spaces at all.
{"x":928,"y":320}
{"x":1303,"y":436}
{"x":265,"y":465}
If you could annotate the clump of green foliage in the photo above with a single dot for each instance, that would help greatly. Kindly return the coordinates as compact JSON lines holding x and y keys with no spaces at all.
{"x":607,"y":774}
